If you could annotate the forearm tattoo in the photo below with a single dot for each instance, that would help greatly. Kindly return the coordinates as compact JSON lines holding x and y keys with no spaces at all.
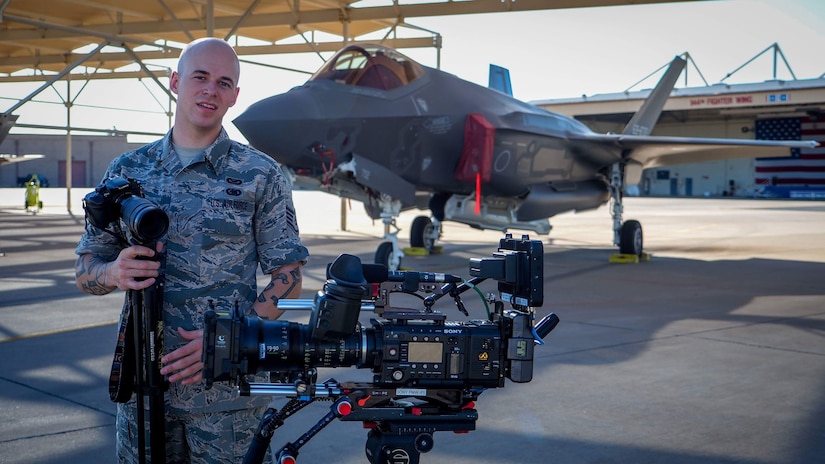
{"x":289,"y":282}
{"x":292,"y":283}
{"x":262,"y":298}
{"x":90,"y":272}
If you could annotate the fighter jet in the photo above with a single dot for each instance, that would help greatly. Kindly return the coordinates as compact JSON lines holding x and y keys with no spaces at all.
{"x":8,"y":158}
{"x":6,"y":123}
{"x":375,"y":126}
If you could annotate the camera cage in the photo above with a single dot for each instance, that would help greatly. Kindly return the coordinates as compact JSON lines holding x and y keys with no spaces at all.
{"x":401,"y":415}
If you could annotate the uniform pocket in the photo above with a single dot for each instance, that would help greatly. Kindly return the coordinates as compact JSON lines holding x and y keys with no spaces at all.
{"x":226,"y":224}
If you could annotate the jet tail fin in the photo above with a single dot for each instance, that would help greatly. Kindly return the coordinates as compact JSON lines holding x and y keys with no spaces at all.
{"x":500,"y":80}
{"x":643,"y":121}
{"x":6,"y":123}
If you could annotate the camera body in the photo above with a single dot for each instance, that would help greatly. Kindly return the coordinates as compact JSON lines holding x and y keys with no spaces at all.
{"x":460,"y":355}
{"x":122,"y":198}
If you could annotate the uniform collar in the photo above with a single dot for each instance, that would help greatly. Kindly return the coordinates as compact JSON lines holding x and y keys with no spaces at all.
{"x":214,"y":154}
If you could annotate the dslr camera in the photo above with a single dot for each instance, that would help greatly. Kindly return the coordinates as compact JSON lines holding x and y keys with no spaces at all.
{"x":427,"y":372}
{"x":122,"y":198}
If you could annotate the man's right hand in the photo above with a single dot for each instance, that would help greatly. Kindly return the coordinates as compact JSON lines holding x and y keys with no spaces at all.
{"x":127,"y":272}
{"x":132,"y":273}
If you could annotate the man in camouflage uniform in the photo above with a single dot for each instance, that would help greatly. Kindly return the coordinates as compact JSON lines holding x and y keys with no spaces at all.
{"x":230,"y":209}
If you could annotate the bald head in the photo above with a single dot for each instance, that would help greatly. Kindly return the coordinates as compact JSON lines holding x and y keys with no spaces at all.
{"x":206,"y":84}
{"x":214,"y":49}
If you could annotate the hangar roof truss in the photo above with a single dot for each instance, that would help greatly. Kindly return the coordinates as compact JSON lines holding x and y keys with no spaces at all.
{"x":39,"y":37}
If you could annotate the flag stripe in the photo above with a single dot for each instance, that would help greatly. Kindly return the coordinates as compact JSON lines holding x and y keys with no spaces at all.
{"x":805,"y":167}
{"x":812,"y":169}
{"x":780,"y":162}
{"x":801,"y":181}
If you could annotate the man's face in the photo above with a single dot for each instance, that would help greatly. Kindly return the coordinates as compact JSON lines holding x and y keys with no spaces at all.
{"x":206,"y":86}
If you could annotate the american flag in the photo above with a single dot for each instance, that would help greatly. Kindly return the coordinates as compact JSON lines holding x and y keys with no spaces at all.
{"x":806,"y":166}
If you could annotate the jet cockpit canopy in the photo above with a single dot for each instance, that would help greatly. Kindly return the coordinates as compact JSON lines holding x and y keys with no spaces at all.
{"x":369,"y":65}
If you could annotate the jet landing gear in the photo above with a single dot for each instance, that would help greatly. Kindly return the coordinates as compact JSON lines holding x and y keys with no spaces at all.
{"x":628,"y":235}
{"x":423,"y":234}
{"x":425,"y":231}
{"x":389,"y":253}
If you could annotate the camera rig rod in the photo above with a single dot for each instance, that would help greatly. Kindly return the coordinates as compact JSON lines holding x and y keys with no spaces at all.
{"x":322,"y":390}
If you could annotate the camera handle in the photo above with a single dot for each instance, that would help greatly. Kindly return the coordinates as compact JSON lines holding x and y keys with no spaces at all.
{"x":454,"y":291}
{"x":274,"y":419}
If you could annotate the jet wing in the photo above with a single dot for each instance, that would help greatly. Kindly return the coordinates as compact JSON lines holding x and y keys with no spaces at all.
{"x":6,"y":159}
{"x":654,"y":151}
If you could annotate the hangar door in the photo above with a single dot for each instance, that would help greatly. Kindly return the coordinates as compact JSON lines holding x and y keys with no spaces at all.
{"x":78,"y":174}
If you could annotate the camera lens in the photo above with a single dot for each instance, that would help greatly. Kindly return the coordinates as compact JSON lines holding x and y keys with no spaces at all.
{"x":145,"y":220}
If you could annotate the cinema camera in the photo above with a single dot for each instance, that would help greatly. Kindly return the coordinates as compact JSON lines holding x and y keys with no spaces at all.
{"x":121,"y":198}
{"x":427,"y":371}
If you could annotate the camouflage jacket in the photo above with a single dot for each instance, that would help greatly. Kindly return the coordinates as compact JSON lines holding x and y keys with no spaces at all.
{"x":229,"y":211}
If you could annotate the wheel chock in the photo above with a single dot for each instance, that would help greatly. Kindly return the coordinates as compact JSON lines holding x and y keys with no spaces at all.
{"x":415,"y":251}
{"x":421,"y":251}
{"x":621,"y":258}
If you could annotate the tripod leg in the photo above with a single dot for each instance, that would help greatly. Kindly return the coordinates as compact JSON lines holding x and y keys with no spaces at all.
{"x":136,"y":299}
{"x":154,"y":385}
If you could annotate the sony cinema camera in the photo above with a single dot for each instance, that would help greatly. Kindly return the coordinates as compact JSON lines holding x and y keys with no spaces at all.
{"x":427,"y":371}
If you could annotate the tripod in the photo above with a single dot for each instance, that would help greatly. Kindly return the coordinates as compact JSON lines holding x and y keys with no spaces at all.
{"x":147,"y":326}
{"x":136,"y":366}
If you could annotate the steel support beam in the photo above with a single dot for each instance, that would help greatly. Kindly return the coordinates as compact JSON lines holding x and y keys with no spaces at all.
{"x":57,"y":77}
{"x":305,"y":17}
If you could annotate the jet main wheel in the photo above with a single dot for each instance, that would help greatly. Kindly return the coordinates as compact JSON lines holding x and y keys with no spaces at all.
{"x":630,"y":238}
{"x":383,"y":254}
{"x":422,"y":228}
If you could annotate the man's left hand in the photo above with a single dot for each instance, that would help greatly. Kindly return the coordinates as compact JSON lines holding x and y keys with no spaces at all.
{"x":184,"y":364}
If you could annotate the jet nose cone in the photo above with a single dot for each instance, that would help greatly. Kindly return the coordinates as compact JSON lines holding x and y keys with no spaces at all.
{"x":274,"y":124}
{"x":297,"y":104}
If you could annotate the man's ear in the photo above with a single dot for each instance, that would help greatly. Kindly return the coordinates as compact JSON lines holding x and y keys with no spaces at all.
{"x":173,"y":82}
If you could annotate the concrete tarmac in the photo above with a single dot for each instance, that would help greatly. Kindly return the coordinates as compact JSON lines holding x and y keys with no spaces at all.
{"x":712,"y":352}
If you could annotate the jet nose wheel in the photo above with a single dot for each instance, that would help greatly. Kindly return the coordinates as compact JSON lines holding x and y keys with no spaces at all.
{"x":630,"y":238}
{"x":386,"y":255}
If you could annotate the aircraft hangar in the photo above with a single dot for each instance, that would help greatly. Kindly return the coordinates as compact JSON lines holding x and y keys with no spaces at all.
{"x":773,"y":109}
{"x":77,"y":42}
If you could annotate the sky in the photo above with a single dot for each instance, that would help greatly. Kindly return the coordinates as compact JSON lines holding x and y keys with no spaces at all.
{"x":551,"y":54}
